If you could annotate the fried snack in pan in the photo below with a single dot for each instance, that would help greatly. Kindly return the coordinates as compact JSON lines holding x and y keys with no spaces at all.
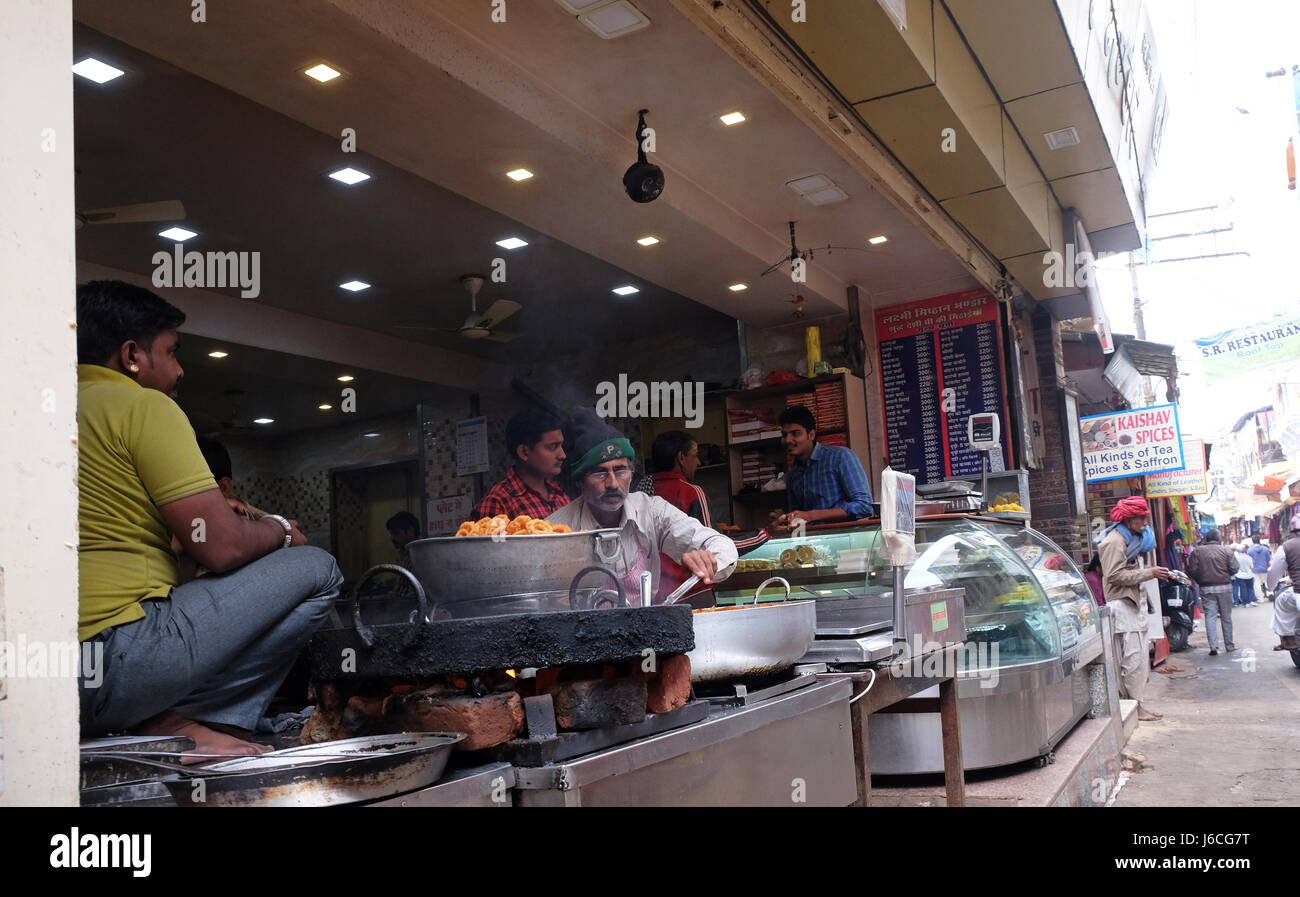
{"x":561,"y":528}
{"x":539,"y":527}
{"x":466,"y":529}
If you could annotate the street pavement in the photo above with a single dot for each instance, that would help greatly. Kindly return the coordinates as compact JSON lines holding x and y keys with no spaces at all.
{"x":1231,"y":724}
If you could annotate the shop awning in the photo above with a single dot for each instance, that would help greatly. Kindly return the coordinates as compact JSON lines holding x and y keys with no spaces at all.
{"x":1135,"y":359}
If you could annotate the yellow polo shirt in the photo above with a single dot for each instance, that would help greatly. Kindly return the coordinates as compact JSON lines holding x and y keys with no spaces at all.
{"x":137,"y":451}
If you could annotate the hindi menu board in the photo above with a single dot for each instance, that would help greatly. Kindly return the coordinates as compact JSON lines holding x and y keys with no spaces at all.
{"x":941,"y":362}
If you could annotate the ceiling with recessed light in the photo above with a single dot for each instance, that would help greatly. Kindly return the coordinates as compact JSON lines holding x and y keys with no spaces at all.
{"x":223,"y":396}
{"x":444,"y":104}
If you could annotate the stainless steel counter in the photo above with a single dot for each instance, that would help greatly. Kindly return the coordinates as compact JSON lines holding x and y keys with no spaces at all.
{"x":479,"y":786}
{"x":793,"y":750}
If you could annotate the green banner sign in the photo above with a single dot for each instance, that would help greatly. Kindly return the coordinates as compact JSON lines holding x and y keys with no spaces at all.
{"x":1250,"y":348}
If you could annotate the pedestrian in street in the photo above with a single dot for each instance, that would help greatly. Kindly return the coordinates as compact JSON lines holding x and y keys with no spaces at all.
{"x":1260,"y":555}
{"x":1093,"y":575}
{"x":1213,"y":566}
{"x":1124,"y":548}
{"x":1286,"y":610}
{"x":1243,"y":581}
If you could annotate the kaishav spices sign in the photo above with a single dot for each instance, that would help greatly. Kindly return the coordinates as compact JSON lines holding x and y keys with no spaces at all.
{"x":1131,"y":443}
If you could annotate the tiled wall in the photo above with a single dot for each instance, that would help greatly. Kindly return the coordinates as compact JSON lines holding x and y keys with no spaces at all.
{"x":291,"y":475}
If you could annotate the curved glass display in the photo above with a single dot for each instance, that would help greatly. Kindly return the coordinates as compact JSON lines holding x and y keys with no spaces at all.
{"x":1029,"y":609}
{"x":1066,"y":589}
{"x":1005,"y":605}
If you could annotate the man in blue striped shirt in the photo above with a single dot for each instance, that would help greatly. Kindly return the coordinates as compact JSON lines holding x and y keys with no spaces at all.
{"x":826,"y":483}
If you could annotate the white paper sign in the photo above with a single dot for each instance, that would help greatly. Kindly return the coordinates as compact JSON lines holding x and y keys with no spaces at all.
{"x":897,"y":517}
{"x":447,"y":513}
{"x":471,"y":446}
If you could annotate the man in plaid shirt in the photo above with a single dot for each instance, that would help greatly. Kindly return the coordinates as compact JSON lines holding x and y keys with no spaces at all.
{"x":536,"y":443}
{"x":825,"y":482}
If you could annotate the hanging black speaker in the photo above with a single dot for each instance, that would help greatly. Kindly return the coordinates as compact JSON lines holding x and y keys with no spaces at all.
{"x":643,"y":181}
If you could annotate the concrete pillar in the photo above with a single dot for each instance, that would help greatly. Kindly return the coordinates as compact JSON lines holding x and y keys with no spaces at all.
{"x":38,"y":457}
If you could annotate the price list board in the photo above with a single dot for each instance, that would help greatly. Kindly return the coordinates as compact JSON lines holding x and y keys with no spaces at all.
{"x":940,"y":362}
{"x":912,"y":421}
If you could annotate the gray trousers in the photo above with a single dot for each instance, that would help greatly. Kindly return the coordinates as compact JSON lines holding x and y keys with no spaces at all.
{"x":216,"y":649}
{"x":1217,"y":603}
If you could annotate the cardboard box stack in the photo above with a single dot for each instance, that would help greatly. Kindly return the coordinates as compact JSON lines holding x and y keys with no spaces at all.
{"x":751,"y":424}
{"x":756,"y":468}
{"x":829,"y":408}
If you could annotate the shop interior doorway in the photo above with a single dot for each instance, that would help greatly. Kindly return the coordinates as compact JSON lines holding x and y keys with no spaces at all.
{"x":364,"y":498}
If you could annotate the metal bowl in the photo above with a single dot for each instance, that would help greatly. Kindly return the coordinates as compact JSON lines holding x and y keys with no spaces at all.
{"x":454,"y":569}
{"x":319,"y":775}
{"x":736,"y":642}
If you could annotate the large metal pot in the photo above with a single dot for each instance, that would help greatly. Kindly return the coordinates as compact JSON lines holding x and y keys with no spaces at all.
{"x":463,"y":568}
{"x":546,"y":602}
{"x":752,"y":640}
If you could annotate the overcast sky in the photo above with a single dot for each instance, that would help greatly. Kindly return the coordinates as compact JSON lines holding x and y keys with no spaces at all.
{"x":1213,"y":55}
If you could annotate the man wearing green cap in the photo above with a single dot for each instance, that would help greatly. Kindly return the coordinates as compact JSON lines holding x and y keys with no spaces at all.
{"x":603,"y":470}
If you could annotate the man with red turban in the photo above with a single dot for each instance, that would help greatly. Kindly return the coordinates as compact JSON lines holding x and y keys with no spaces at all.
{"x":1122,"y":548}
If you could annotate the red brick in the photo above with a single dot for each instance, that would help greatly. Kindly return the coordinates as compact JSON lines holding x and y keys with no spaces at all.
{"x":490,"y":720}
{"x":669,"y":687}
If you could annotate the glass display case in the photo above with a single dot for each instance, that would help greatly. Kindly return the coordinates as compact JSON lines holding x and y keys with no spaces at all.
{"x":1031,"y":626}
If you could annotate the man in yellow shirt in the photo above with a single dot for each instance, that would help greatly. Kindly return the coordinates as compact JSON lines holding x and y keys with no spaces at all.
{"x":205,"y":658}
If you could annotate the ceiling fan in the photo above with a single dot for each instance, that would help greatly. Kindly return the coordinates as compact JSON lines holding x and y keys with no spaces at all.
{"x":211,"y":426}
{"x":167,"y":210}
{"x":805,"y":254}
{"x":479,"y":325}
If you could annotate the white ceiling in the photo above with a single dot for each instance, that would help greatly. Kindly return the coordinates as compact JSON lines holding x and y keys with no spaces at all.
{"x":443,"y":102}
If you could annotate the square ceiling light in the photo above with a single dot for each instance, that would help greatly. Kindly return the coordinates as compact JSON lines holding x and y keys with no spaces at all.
{"x":817,"y":190}
{"x":177,"y":234}
{"x":322,"y":72}
{"x":648,"y":240}
{"x":519,"y":174}
{"x":92,"y":69}
{"x":626,"y":290}
{"x":732,"y":118}
{"x":349,"y":176}
{"x":512,"y":243}
{"x":578,"y":7}
{"x":609,"y":19}
{"x":355,"y":286}
{"x":1061,"y":139}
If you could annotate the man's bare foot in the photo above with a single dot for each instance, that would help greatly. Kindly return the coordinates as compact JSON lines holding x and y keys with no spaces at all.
{"x":1148,"y":716}
{"x":207,"y":740}
{"x":1288,"y":644}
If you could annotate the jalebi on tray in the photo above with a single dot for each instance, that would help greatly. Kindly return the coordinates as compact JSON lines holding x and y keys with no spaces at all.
{"x":504,"y":526}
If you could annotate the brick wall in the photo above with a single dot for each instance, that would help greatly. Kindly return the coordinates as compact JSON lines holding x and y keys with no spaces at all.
{"x":1049,"y":486}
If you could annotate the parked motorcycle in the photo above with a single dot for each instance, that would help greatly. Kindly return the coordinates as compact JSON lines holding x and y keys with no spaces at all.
{"x":1176,"y":608}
